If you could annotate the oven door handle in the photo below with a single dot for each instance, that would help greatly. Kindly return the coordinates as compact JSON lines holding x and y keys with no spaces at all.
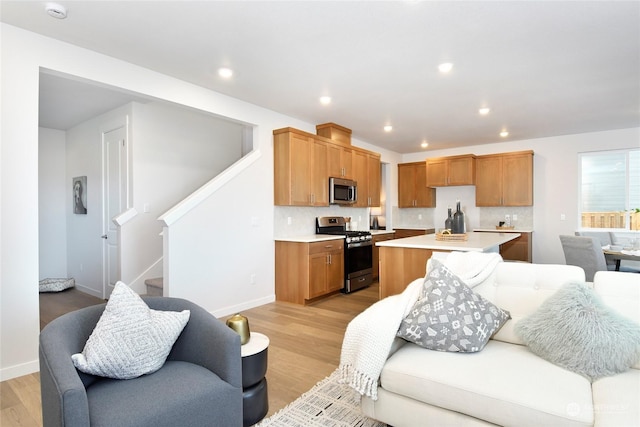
{"x":360,"y":244}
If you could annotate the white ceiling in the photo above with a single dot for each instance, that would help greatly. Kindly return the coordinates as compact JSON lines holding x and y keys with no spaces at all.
{"x":545,"y":68}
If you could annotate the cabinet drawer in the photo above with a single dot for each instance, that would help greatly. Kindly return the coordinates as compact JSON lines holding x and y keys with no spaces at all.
{"x":325,"y":246}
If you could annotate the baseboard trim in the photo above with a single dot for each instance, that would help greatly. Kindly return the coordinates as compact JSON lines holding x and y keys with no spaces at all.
{"x":226,"y":311}
{"x":19,"y":370}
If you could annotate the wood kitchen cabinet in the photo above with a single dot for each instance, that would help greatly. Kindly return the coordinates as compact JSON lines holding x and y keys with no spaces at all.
{"x":519,"y":249}
{"x":339,"y":160}
{"x":366,"y":172}
{"x":505,"y":179}
{"x":450,"y":171}
{"x":308,"y":271}
{"x":412,"y":188}
{"x":376,"y":251}
{"x":300,"y":169}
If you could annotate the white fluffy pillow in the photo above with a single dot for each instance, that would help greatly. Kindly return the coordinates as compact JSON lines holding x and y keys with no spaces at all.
{"x":130,"y":339}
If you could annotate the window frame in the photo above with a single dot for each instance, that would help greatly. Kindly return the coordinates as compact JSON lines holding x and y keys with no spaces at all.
{"x":627,"y":197}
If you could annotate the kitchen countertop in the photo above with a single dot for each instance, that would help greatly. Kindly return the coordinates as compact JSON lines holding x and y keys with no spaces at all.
{"x":515,"y":230}
{"x":413,"y":227}
{"x":378,"y":232}
{"x":311,"y":238}
{"x":477,"y":242}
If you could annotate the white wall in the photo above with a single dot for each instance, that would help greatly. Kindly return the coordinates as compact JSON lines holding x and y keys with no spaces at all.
{"x":52,"y":204}
{"x":175,"y":151}
{"x":555,"y":182}
{"x":250,"y":194}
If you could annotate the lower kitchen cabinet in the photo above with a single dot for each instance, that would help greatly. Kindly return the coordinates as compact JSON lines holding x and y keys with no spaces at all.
{"x":376,"y":251}
{"x":519,"y":249}
{"x":307,"y":271}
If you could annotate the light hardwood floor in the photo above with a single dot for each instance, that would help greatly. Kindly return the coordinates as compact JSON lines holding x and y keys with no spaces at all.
{"x":304,"y":348}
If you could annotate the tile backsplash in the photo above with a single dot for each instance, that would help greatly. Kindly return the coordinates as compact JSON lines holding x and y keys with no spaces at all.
{"x":303,"y":219}
{"x":490,"y":217}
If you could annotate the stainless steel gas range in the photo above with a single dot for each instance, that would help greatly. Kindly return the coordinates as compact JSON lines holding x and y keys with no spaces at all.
{"x":358,"y":252}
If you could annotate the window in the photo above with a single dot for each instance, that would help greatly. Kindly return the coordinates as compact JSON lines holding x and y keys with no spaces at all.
{"x":610,"y":189}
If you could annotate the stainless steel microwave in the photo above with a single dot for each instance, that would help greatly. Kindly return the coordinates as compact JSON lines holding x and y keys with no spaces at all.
{"x":342,"y":191}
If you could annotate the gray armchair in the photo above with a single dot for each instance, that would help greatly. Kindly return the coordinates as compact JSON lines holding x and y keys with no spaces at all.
{"x":200,"y":384}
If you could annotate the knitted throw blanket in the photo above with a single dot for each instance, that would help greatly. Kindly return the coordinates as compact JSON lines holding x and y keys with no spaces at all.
{"x":370,"y":335}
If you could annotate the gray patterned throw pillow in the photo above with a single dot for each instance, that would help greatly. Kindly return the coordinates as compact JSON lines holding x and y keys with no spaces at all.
{"x":450,"y":316}
{"x":130,"y":339}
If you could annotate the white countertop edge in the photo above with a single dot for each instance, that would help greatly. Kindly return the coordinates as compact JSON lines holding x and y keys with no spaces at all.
{"x":379,"y":232}
{"x":309,"y":238}
{"x":515,"y":230}
{"x":413,"y":227}
{"x":476,"y":243}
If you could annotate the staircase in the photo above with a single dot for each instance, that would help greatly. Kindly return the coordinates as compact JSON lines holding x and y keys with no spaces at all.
{"x":154,"y":286}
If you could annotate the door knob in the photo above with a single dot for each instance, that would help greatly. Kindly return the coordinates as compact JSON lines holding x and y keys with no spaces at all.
{"x":104,"y":236}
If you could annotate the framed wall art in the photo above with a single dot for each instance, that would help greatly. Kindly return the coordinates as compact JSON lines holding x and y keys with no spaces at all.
{"x":80,"y":195}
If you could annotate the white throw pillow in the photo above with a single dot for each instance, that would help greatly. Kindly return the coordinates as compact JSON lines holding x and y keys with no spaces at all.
{"x":130,"y":339}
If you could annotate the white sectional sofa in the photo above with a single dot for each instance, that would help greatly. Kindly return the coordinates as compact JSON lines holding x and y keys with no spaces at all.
{"x":506,"y":383}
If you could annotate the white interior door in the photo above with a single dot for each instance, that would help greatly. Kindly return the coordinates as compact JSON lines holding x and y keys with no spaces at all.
{"x":114,"y":169}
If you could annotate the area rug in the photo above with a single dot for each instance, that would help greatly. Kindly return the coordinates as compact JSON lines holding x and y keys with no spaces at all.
{"x":328,"y":403}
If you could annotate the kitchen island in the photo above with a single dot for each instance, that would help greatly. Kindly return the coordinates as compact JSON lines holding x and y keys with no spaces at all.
{"x":404,"y":260}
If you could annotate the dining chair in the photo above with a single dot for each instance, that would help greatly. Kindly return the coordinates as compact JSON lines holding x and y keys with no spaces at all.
{"x":605,"y":238}
{"x":585,"y":252}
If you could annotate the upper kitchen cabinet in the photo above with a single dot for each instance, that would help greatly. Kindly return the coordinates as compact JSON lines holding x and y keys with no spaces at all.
{"x":300,"y":169}
{"x":412,"y":189}
{"x":334,"y":132}
{"x":450,"y":171}
{"x":505,"y":179}
{"x":366,"y":172}
{"x":340,"y":161}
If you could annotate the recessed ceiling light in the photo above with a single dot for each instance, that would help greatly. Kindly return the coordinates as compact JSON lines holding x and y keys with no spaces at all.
{"x":484,"y":111}
{"x":325,"y":100}
{"x":504,"y":134}
{"x":225,"y":72}
{"x":424,"y":144}
{"x":56,"y":10}
{"x":445,"y":67}
{"x":388,"y":128}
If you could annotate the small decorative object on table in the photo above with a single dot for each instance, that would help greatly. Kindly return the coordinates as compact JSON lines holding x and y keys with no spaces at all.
{"x":446,"y":235}
{"x":240,"y":324}
{"x":448,"y":223}
{"x":457,"y":226}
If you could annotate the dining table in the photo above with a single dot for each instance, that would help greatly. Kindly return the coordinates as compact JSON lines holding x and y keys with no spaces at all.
{"x":623,"y":254}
